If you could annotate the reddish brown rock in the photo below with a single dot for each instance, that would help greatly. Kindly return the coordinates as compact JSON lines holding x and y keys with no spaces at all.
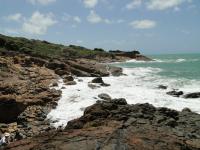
{"x":116,"y":125}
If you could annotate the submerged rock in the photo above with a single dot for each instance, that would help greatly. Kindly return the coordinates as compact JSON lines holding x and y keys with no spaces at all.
{"x":104,"y":96}
{"x":175,"y":93}
{"x":192,"y":95}
{"x":93,"y":86}
{"x":164,"y":87}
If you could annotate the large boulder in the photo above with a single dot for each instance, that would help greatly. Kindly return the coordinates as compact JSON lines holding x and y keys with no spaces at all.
{"x":100,"y":81}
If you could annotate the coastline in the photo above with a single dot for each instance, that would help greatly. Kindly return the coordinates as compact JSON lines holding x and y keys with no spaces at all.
{"x":29,"y":91}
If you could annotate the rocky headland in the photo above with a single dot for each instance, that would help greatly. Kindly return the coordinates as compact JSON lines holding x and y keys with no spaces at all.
{"x":29,"y":71}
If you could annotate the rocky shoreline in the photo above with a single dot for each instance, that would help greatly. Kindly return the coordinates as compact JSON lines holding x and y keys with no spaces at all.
{"x":114,"y":124}
{"x":28,"y":82}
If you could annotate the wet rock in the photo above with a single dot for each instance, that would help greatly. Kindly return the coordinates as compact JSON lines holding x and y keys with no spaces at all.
{"x":54,"y":84}
{"x":175,"y":93}
{"x":68,"y":78}
{"x":80,"y":80}
{"x":100,"y":81}
{"x":192,"y":95}
{"x":97,"y":80}
{"x":162,"y":87}
{"x":70,"y":83}
{"x":93,"y":86}
{"x":140,"y":126}
{"x":116,"y":71}
{"x":104,"y":96}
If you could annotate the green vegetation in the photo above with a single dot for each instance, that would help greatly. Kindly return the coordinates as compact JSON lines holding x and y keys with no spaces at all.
{"x":46,"y":49}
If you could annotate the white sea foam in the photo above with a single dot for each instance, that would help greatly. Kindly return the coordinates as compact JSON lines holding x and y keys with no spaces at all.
{"x":179,"y":60}
{"x":139,"y":86}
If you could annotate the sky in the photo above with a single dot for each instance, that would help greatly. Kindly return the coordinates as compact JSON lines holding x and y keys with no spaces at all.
{"x":151,"y":26}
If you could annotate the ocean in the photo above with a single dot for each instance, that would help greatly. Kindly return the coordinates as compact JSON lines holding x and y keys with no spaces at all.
{"x":138,"y":85}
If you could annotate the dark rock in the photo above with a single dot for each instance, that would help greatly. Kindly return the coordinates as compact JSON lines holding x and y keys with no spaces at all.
{"x":162,"y":87}
{"x":113,"y":122}
{"x":175,"y":93}
{"x":2,"y":42}
{"x":105,"y":84}
{"x":186,"y":110}
{"x":10,"y":107}
{"x":80,"y":80}
{"x":97,"y":80}
{"x":104,"y":96}
{"x":119,"y":101}
{"x":70,"y":83}
{"x":171,"y":122}
{"x":192,"y":95}
{"x":100,"y":81}
{"x":55,"y":84}
{"x":68,"y":78}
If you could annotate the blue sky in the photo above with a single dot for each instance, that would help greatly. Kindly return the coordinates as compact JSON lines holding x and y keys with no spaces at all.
{"x":151,"y":26}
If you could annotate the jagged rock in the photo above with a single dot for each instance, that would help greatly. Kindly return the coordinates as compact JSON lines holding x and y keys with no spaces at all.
{"x":116,"y":125}
{"x":175,"y":93}
{"x":192,"y":95}
{"x":100,"y":81}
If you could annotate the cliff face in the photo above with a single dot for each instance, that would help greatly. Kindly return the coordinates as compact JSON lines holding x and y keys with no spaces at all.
{"x":113,"y":124}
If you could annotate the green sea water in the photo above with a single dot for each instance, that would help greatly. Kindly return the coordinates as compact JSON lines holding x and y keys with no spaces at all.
{"x":185,"y":66}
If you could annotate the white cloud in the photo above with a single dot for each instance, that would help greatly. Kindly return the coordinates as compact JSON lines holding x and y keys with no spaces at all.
{"x":77,"y":19}
{"x":14,"y":17}
{"x":42,"y":2}
{"x":90,"y":3}
{"x":72,"y":19}
{"x":94,"y":18}
{"x":134,"y":4}
{"x":38,"y":23}
{"x":164,"y":4}
{"x":143,"y":24}
{"x":107,"y":21}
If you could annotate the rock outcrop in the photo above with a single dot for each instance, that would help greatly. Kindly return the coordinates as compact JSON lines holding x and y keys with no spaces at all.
{"x":114,"y":124}
{"x":192,"y":95}
{"x":175,"y":93}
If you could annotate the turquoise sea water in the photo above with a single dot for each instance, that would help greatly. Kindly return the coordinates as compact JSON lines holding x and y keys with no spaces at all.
{"x":173,"y":66}
{"x":139,"y":85}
